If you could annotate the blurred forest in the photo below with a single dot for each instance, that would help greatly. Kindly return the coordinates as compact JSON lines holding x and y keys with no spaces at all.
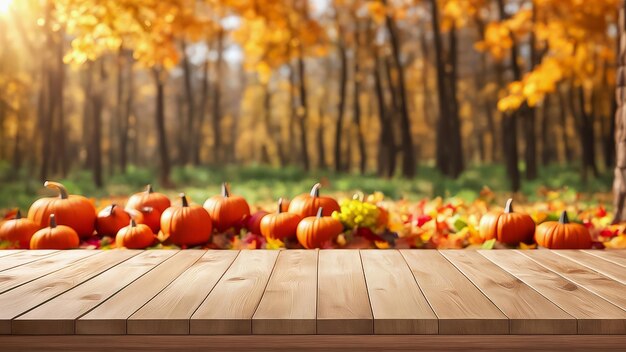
{"x":364,"y":87}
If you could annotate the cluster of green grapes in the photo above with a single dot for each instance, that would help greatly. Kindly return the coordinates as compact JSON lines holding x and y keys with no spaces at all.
{"x":356,"y":213}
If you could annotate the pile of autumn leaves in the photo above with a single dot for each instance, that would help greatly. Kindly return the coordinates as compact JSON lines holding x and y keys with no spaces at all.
{"x":150,"y":220}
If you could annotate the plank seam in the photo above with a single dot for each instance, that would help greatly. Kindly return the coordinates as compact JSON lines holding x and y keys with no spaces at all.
{"x":30,"y":261}
{"x":94,"y":253}
{"x":211,"y":290}
{"x":118,"y":291}
{"x":478,"y":288}
{"x":264,"y":289}
{"x":589,"y":265}
{"x":73,"y":287}
{"x":369,"y":300}
{"x":595,"y":254}
{"x":422,"y":291}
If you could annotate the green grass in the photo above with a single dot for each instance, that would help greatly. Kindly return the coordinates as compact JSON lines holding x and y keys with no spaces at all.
{"x":263,"y":183}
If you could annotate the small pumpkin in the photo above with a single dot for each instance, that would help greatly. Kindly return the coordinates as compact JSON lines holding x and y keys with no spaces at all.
{"x":306,"y":205}
{"x":253,"y":224}
{"x":280,"y":225}
{"x":134,"y":236}
{"x":74,"y":211}
{"x":562,"y":234}
{"x":55,"y":236}
{"x":147,"y":216}
{"x":507,"y":227}
{"x":313,"y":231}
{"x":18,"y":231}
{"x":227,"y":210}
{"x":149,"y":198}
{"x":111,"y":219}
{"x":186,"y":225}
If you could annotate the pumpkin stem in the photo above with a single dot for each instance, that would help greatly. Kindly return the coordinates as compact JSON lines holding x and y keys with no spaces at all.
{"x":320,"y":210}
{"x":133,"y":223}
{"x":280,"y":205}
{"x":508,"y":208}
{"x":111,"y":207}
{"x":18,"y":215}
{"x":53,"y":221}
{"x":184,"y":199}
{"x":149,"y":189}
{"x":315,"y":191}
{"x":55,"y":185}
{"x":225,"y":191}
{"x":564,"y":219}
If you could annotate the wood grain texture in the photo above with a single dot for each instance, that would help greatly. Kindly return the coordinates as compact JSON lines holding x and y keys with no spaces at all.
{"x":36,"y":292}
{"x":289,"y":304}
{"x":343,"y":305}
{"x":110,"y":317}
{"x":528,"y":311}
{"x":170,"y":310}
{"x":617,"y":256}
{"x":610,"y":269}
{"x":230,"y":306}
{"x":398,"y":305}
{"x":594,"y":314}
{"x":5,"y":252}
{"x":593,"y":281}
{"x":14,"y":277}
{"x":356,"y":343}
{"x":57,"y":316}
{"x":459,"y":305}
{"x":23,"y":257}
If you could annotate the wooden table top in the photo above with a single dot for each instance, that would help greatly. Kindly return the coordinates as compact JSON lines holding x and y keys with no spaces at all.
{"x":308,"y":292}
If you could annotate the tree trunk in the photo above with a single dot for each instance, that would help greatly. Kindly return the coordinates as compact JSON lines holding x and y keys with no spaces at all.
{"x":456,"y":147}
{"x":547,"y":145}
{"x":568,"y":153}
{"x":217,"y":91}
{"x":386,"y":144}
{"x":97,"y":101}
{"x":190,"y":103}
{"x":321,"y":151}
{"x":49,"y":110}
{"x":302,"y":119}
{"x":619,"y":182}
{"x":586,"y":128}
{"x":160,"y":125}
{"x":356,"y":93}
{"x":343,"y":83}
{"x":409,"y":163}
{"x":529,"y":114}
{"x":442,"y":148}
{"x":125,"y":119}
{"x":202,"y":110}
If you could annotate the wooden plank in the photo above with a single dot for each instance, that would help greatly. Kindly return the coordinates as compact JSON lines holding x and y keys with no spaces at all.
{"x":594,"y":314}
{"x":49,"y":319}
{"x":527,"y":310}
{"x":230,"y":306}
{"x":5,"y":252}
{"x":343,"y":305}
{"x":398,"y":304}
{"x":23,"y":257}
{"x":617,"y":256}
{"x":610,"y":269}
{"x":36,"y":292}
{"x":170,"y":310}
{"x":460,"y":306}
{"x":593,"y":281}
{"x":289,"y":303}
{"x":570,"y":343}
{"x":110,"y":317}
{"x":14,"y":277}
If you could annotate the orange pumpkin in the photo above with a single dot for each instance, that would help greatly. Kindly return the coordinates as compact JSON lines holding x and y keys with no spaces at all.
{"x":562,"y":234}
{"x":74,"y":211}
{"x":149,"y":198}
{"x":280,"y":225}
{"x":134,"y":236}
{"x":507,"y":227}
{"x":307,"y":204}
{"x":187,"y":224}
{"x":55,"y":237}
{"x":254,"y":222}
{"x":18,"y":231}
{"x":147,"y":216}
{"x":313,"y":231}
{"x":285,"y":205}
{"x":111,"y":219}
{"x":227,"y":210}
{"x":136,"y":214}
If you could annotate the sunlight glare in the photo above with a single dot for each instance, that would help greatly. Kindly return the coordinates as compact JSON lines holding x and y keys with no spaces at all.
{"x":5,"y":5}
